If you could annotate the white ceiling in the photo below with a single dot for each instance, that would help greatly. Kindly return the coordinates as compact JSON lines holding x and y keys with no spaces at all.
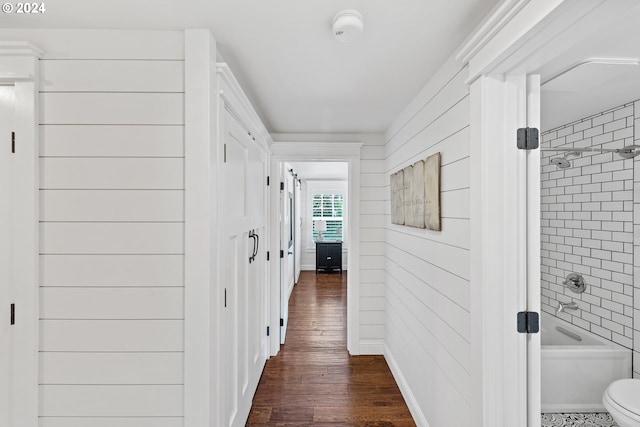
{"x":297,"y":76}
{"x":591,"y":88}
{"x":318,"y":171}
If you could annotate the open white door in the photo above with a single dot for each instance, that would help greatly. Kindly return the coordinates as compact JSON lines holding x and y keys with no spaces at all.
{"x":533,"y":253}
{"x":287,"y":236}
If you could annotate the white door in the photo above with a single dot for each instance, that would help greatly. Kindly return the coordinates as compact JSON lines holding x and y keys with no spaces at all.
{"x":533,"y":253}
{"x":244,"y":346}
{"x":287,"y":236}
{"x":7,"y":296}
{"x":297,"y":248}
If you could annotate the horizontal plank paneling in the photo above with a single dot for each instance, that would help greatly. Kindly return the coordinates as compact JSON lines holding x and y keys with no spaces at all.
{"x":111,"y":76}
{"x":111,"y":141}
{"x":111,"y":108}
{"x":373,"y":180}
{"x":444,"y":404}
{"x":111,"y":368}
{"x":449,"y":124}
{"x":455,"y":203}
{"x":453,"y":287}
{"x":448,"y":319}
{"x":111,"y":270}
{"x":111,"y":422}
{"x":455,"y":176}
{"x":111,"y":335}
{"x":447,"y":257}
{"x":427,"y":297}
{"x":111,"y":173}
{"x":111,"y":238}
{"x":111,"y":205}
{"x":427,"y":109}
{"x":111,"y":400}
{"x":111,"y":303}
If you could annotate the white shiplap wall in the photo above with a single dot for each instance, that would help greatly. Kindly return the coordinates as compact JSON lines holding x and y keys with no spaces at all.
{"x":112,"y":220}
{"x":427,"y":298}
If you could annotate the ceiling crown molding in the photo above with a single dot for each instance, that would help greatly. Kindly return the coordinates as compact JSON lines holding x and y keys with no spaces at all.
{"x":20,"y":49}
{"x":495,"y":21}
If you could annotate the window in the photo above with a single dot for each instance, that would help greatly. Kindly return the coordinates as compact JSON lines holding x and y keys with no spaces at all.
{"x":328,"y":207}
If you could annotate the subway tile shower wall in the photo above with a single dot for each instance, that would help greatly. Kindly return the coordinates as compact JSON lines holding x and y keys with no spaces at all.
{"x":589,"y":214}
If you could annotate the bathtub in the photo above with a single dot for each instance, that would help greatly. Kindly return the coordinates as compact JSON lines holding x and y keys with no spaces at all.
{"x":577,"y":369}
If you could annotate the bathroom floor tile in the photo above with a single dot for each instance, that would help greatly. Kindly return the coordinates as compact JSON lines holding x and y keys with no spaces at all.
{"x":578,"y":420}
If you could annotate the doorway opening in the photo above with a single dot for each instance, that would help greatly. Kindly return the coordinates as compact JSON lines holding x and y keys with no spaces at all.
{"x":313,"y":211}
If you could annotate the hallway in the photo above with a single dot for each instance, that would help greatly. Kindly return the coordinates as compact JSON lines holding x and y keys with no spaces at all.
{"x":313,"y":381}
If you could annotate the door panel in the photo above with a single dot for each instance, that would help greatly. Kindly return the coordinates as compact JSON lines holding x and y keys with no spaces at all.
{"x":243,"y":276}
{"x":7,"y":94}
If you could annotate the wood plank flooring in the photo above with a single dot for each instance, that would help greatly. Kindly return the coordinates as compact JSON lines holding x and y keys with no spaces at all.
{"x":313,"y":381}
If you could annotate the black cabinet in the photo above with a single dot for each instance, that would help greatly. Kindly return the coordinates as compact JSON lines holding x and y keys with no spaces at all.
{"x":328,"y":256}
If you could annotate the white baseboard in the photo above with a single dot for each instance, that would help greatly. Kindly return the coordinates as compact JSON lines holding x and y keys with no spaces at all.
{"x":371,"y":347}
{"x":307,"y":267}
{"x":409,"y":398}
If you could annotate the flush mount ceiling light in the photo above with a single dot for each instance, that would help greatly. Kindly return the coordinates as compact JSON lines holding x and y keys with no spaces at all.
{"x":347,"y":26}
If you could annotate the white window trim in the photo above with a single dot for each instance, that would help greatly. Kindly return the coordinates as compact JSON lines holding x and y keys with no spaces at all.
{"x":325,"y":187}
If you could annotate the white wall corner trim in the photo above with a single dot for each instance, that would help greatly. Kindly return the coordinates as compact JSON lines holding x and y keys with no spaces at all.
{"x":409,"y":398}
{"x":201,"y":360}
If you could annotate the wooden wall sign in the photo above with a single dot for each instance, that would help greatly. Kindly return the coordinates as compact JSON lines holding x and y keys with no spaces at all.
{"x":415,"y":194}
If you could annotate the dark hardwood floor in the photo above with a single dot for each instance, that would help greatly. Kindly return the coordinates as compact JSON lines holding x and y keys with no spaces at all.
{"x":313,"y":381}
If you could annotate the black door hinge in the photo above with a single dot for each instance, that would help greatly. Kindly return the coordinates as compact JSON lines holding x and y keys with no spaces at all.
{"x":282,"y":186}
{"x":268,"y":332}
{"x":225,"y":297}
{"x":267,"y":181}
{"x":281,"y":254}
{"x":225,"y":153}
{"x":13,"y":142}
{"x":268,"y":255}
{"x":13,"y":314}
{"x":528,"y":322}
{"x":528,"y":138}
{"x":281,"y":322}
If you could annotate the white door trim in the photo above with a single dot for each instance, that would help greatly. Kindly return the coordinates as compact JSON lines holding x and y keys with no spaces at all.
{"x":202,"y":314}
{"x":19,"y":65}
{"x":328,"y":151}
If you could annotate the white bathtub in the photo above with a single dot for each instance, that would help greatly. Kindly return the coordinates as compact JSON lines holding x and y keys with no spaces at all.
{"x":576,"y":373}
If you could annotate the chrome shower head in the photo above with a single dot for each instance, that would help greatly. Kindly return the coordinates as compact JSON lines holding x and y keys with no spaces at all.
{"x":563,"y":162}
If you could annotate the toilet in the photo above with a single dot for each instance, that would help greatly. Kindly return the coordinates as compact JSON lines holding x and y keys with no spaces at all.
{"x":622,"y":400}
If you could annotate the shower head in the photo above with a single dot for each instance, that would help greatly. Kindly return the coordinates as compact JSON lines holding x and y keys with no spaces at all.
{"x":563,"y":162}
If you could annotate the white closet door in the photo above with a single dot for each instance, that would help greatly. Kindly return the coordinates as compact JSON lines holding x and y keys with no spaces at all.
{"x":6,"y":265}
{"x":244,"y":328}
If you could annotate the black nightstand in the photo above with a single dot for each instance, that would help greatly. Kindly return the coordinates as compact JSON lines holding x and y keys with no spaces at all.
{"x":328,"y":256}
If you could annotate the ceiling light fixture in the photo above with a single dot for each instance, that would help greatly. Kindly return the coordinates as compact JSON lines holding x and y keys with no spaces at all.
{"x":347,"y":26}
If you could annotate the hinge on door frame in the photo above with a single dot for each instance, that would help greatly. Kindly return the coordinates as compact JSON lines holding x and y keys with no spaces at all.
{"x":268,"y":332}
{"x":281,"y":254}
{"x":528,"y":138}
{"x":13,"y":142}
{"x":225,"y":153}
{"x":281,"y":186}
{"x":268,"y":254}
{"x":225,"y":297}
{"x":281,"y":322}
{"x":268,"y":180}
{"x":528,"y":322}
{"x":13,"y":314}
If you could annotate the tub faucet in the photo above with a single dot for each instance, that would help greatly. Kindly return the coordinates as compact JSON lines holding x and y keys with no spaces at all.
{"x":562,"y":306}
